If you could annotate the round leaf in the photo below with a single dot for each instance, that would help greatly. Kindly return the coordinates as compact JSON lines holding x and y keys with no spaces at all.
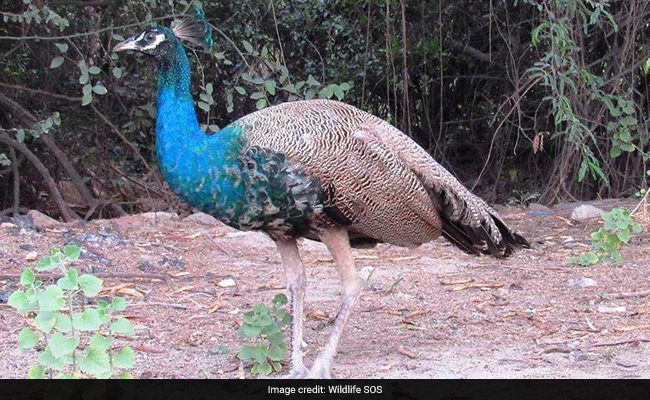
{"x":56,"y":62}
{"x":27,"y":339}
{"x":90,"y":285}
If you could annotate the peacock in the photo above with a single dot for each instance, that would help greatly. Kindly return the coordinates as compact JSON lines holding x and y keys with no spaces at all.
{"x":316,"y":169}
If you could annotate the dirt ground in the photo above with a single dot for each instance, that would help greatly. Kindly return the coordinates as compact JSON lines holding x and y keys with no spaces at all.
{"x":431,"y":312}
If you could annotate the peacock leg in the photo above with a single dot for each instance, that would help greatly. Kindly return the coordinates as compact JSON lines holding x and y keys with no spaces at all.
{"x":338,"y":243}
{"x":295,"y":274}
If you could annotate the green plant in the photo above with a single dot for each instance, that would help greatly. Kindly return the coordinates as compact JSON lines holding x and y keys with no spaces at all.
{"x":77,"y":339}
{"x":265,"y":324}
{"x":607,"y":241}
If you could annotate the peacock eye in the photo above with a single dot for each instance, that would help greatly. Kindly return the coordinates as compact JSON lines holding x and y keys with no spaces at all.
{"x":150,"y":36}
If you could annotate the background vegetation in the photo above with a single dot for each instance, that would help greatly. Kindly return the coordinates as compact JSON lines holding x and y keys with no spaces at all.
{"x":520,"y":99}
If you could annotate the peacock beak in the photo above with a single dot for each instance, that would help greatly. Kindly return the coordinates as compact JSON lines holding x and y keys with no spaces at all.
{"x":128,"y":44}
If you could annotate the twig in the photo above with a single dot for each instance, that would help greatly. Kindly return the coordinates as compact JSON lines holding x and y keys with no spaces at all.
{"x":47,"y":178}
{"x":622,"y":341}
{"x":626,"y":295}
{"x":128,"y":144}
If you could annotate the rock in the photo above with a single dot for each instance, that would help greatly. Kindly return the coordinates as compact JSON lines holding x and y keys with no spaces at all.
{"x":227,"y":283}
{"x":70,"y":193}
{"x":609,"y":310}
{"x":583,"y":283}
{"x":586,"y":211}
{"x":8,"y":225}
{"x":160,"y":216}
{"x":538,"y":207}
{"x":168,"y":262}
{"x":41,"y":221}
{"x":27,"y":247}
{"x":539,"y":210}
{"x":145,"y":264}
{"x":127,"y":223}
{"x":31,"y":256}
{"x":202,"y":218}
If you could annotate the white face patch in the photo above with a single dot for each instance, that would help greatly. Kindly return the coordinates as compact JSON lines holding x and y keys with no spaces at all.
{"x":159,"y":39}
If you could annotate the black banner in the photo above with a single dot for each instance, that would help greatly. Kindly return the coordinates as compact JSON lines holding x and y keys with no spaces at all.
{"x":322,"y":389}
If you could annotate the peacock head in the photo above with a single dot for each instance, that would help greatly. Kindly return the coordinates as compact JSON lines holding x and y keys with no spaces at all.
{"x":155,"y":41}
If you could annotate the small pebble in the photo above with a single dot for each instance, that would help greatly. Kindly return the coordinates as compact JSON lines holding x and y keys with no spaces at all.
{"x":31,"y":256}
{"x":227,"y":283}
{"x":583,"y":283}
{"x":607,"y":310}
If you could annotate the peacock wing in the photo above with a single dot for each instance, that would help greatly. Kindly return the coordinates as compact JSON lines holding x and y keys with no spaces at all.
{"x":364,"y":184}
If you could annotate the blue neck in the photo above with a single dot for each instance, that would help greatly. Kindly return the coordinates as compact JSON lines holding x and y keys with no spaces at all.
{"x":192,"y":162}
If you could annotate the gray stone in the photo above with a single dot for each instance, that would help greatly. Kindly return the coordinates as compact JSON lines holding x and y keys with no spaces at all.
{"x":538,"y":207}
{"x":583,"y":283}
{"x":42,"y":221}
{"x":586,"y":211}
{"x":202,"y":218}
{"x":160,"y":216}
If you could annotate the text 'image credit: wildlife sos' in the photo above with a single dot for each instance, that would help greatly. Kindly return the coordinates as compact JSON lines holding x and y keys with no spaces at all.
{"x":339,"y":189}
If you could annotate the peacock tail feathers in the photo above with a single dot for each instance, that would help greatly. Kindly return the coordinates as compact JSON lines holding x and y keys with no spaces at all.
{"x":376,"y":180}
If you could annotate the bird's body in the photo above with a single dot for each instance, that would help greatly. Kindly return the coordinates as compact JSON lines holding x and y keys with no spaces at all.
{"x":318,"y":169}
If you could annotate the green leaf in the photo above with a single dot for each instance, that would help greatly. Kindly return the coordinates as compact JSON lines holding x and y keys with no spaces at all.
{"x":261,"y":103}
{"x":72,"y":252}
{"x":27,"y":278}
{"x":270,"y":87}
{"x":21,"y":302}
{"x":240,"y":90}
{"x":47,"y":263}
{"x":277,"y":353}
{"x":249,"y":331}
{"x":62,"y":346}
{"x":117,"y":72}
{"x":248,"y":46}
{"x":62,"y":323}
{"x":45,"y":321}
{"x":63,"y":47}
{"x":86,"y":99}
{"x":69,"y":282}
{"x":203,"y":106}
{"x":84,"y":79}
{"x":125,"y":358}
{"x":262,"y":369}
{"x":27,"y":339}
{"x":94,"y":70}
{"x":275,"y":338}
{"x":256,"y":353}
{"x":51,"y":299}
{"x":312,"y":82}
{"x":100,"y":89}
{"x":89,"y":320}
{"x":280,"y":300}
{"x":623,"y":235}
{"x":47,"y":359}
{"x":209,"y":88}
{"x":118,"y":303}
{"x":90,"y":285}
{"x":100,"y":342}
{"x":122,"y":326}
{"x":56,"y":62}
{"x":95,"y":361}
{"x":125,"y":375}
{"x":36,"y":372}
